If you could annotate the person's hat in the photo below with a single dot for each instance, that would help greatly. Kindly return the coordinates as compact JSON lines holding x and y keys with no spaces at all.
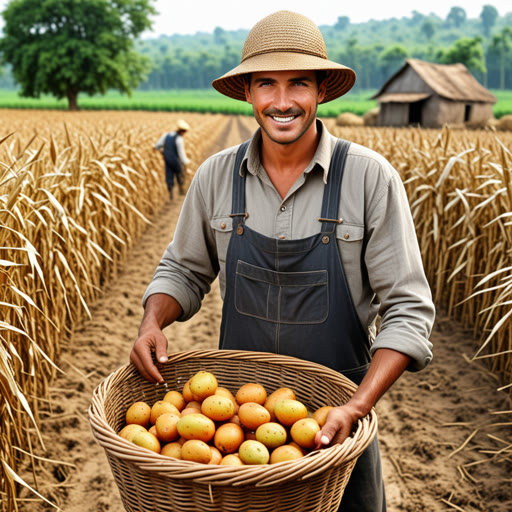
{"x":182,"y":126}
{"x":285,"y":41}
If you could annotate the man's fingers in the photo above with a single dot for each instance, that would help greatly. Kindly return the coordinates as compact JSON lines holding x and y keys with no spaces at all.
{"x":161,"y":351}
{"x":146,"y":367}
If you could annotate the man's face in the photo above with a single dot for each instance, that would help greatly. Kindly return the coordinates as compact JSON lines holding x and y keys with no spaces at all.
{"x":285,"y":102}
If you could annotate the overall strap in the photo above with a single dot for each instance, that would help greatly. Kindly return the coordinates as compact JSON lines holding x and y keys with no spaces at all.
{"x":332,"y":190}
{"x":238,"y":189}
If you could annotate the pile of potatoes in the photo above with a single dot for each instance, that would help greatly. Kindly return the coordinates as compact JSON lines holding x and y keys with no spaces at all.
{"x":206,"y":423}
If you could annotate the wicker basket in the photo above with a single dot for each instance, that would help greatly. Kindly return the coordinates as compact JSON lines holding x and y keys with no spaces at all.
{"x":149,"y":481}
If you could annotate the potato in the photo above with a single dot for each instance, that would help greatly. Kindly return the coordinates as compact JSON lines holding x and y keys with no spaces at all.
{"x":130,"y":431}
{"x":253,"y":452}
{"x":171,"y":450}
{"x":148,"y":441}
{"x":166,"y":427}
{"x":216,"y":456}
{"x":252,"y":415}
{"x":273,"y":398}
{"x":138,"y":413}
{"x":196,"y":426}
{"x":196,"y":451}
{"x":218,"y":408}
{"x":303,"y":432}
{"x":187,"y":394}
{"x":161,"y":407}
{"x":202,"y":385}
{"x":289,"y":411}
{"x":271,"y":434}
{"x":176,"y":399}
{"x":284,"y":453}
{"x":320,"y":415}
{"x":228,"y":438}
{"x":231,"y":459}
{"x":251,"y":392}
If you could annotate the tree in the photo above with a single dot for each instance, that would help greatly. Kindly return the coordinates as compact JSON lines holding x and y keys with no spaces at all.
{"x":342,"y":23}
{"x":392,"y":58}
{"x":468,"y":51}
{"x":428,"y":29}
{"x":456,"y":16}
{"x":63,"y":47}
{"x":489,"y":15}
{"x":502,"y":45}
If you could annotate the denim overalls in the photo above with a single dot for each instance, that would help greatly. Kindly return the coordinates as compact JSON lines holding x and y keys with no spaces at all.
{"x":291,"y":297}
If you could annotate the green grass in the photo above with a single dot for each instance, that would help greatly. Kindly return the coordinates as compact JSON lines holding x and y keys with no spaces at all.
{"x":175,"y":100}
{"x":357,"y":102}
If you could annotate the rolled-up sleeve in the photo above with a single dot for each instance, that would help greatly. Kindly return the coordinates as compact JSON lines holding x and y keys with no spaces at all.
{"x":189,"y":264}
{"x":396,"y":275}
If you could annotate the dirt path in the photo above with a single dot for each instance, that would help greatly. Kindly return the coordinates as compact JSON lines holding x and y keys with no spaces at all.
{"x":423,"y":419}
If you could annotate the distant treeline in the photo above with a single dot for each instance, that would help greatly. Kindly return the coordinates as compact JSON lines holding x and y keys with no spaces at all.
{"x":375,"y":49}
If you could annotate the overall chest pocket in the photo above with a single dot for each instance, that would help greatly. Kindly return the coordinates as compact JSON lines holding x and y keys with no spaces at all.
{"x":284,"y":297}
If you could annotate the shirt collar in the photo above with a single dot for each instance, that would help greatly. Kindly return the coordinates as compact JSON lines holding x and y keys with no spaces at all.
{"x":322,"y":156}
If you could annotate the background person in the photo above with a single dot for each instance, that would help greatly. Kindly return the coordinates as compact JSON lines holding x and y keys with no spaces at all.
{"x":312,"y":239}
{"x":172,"y":147}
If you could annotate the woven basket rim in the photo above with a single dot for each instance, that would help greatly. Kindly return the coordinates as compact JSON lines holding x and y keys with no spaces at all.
{"x":259,"y":475}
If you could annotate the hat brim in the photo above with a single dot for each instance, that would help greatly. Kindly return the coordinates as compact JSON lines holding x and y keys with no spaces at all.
{"x":340,"y":78}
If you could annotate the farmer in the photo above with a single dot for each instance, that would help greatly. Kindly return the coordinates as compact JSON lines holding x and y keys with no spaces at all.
{"x":172,"y":147}
{"x":312,"y":239}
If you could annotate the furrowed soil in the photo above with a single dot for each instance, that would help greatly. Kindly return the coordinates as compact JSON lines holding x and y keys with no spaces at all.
{"x":442,"y":447}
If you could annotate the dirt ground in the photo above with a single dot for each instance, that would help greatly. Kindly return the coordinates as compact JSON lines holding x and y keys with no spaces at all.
{"x":432,"y":424}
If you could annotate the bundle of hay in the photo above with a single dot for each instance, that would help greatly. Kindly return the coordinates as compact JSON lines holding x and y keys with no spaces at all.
{"x":349,"y":119}
{"x":505,"y":123}
{"x":370,"y":118}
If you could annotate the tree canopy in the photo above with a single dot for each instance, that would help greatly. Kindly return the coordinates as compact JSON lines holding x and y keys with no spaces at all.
{"x":63,"y":47}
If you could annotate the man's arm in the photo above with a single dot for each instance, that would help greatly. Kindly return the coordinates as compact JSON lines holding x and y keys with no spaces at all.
{"x":161,"y":310}
{"x":180,"y":148}
{"x":386,"y":366}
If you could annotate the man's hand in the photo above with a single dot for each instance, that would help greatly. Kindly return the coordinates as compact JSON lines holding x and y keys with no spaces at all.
{"x":151,"y":341}
{"x":386,"y":366}
{"x":338,"y":426}
{"x":161,"y":310}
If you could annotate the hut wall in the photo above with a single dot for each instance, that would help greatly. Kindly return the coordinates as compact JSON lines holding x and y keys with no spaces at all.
{"x":480,"y":113}
{"x":439,"y":111}
{"x":393,"y":114}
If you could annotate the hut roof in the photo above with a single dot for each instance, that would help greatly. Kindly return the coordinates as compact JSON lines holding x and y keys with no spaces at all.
{"x":450,"y":81}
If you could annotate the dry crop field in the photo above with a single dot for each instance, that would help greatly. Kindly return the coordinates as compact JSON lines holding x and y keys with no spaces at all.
{"x":76,"y":193}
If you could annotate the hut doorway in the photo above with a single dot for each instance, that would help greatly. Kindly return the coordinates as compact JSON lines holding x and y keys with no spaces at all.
{"x":467,"y":112}
{"x":416,"y":112}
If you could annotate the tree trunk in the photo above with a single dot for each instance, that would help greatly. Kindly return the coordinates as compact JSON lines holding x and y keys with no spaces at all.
{"x":72,"y":100}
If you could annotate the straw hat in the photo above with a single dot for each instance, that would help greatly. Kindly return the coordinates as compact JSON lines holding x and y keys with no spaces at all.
{"x":285,"y":41}
{"x":182,"y":125}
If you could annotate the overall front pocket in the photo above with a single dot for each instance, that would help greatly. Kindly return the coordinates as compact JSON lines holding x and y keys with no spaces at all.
{"x":284,"y":297}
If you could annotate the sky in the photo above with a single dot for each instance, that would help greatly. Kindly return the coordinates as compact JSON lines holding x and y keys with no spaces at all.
{"x":191,"y":16}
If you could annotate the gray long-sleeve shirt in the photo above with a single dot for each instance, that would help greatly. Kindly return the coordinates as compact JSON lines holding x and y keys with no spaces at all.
{"x":376,"y":240}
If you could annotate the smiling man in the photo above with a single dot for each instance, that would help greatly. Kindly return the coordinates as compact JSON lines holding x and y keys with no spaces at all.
{"x":311,"y":237}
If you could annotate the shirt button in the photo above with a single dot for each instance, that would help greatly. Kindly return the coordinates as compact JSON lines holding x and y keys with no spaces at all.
{"x":223,"y":226}
{"x":283,"y":208}
{"x":282,"y":237}
{"x":346,"y":236}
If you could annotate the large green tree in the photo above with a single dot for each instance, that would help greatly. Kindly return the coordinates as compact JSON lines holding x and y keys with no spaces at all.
{"x":64,"y":47}
{"x":468,"y":51}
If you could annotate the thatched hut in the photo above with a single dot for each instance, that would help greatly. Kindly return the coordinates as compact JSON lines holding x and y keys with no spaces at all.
{"x":431,"y":95}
